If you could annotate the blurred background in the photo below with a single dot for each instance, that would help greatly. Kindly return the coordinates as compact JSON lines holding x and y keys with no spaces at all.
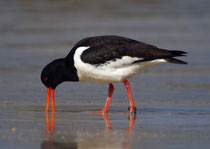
{"x":34,"y":32}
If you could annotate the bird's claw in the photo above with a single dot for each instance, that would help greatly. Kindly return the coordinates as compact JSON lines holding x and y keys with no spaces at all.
{"x":132,"y":109}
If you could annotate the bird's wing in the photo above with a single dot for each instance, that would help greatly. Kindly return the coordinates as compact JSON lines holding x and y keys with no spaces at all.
{"x":112,"y":48}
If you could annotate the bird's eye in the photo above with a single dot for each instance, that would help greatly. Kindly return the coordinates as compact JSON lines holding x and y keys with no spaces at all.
{"x":45,"y":78}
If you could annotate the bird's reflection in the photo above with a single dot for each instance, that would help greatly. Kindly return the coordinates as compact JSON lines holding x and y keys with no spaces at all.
{"x":131,"y":119}
{"x":51,"y":143}
{"x":50,"y":128}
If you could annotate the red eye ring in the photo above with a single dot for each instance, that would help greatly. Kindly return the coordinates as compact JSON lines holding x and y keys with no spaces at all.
{"x":45,"y":78}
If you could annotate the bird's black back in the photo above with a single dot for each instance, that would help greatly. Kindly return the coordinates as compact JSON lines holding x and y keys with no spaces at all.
{"x":105,"y":48}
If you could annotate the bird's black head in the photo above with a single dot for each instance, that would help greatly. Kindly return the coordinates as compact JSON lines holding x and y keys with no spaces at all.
{"x":54,"y":73}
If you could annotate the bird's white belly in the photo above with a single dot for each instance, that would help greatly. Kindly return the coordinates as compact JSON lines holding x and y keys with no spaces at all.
{"x":105,"y":74}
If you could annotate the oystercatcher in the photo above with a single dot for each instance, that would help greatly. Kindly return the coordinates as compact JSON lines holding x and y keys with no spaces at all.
{"x":105,"y":59}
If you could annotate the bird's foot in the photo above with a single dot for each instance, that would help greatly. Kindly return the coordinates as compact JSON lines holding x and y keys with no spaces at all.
{"x":132,"y":109}
{"x":102,"y":111}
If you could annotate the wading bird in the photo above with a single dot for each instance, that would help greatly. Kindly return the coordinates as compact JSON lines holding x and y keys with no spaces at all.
{"x":105,"y":59}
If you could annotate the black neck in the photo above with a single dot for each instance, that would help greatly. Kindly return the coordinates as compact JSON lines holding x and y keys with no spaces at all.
{"x":70,"y":71}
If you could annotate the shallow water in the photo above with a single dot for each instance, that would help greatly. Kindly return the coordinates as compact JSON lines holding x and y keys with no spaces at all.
{"x":173,"y":101}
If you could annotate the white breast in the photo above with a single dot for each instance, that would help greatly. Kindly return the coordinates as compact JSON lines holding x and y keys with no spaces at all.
{"x":111,"y":71}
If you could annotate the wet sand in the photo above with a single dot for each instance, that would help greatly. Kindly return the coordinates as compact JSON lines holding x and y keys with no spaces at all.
{"x":78,"y":127}
{"x":173,"y":101}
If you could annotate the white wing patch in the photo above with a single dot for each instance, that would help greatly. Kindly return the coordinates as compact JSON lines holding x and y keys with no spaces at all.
{"x":121,"y":62}
{"x":158,"y":61}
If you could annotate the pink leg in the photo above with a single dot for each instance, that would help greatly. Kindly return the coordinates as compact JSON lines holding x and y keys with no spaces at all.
{"x":110,"y":92}
{"x":132,"y":106}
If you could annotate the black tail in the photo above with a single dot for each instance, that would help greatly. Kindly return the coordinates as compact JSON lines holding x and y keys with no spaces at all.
{"x":175,"y":61}
{"x":176,"y":54}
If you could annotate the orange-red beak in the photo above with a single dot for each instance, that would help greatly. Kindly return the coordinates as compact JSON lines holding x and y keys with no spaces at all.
{"x":50,"y":91}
